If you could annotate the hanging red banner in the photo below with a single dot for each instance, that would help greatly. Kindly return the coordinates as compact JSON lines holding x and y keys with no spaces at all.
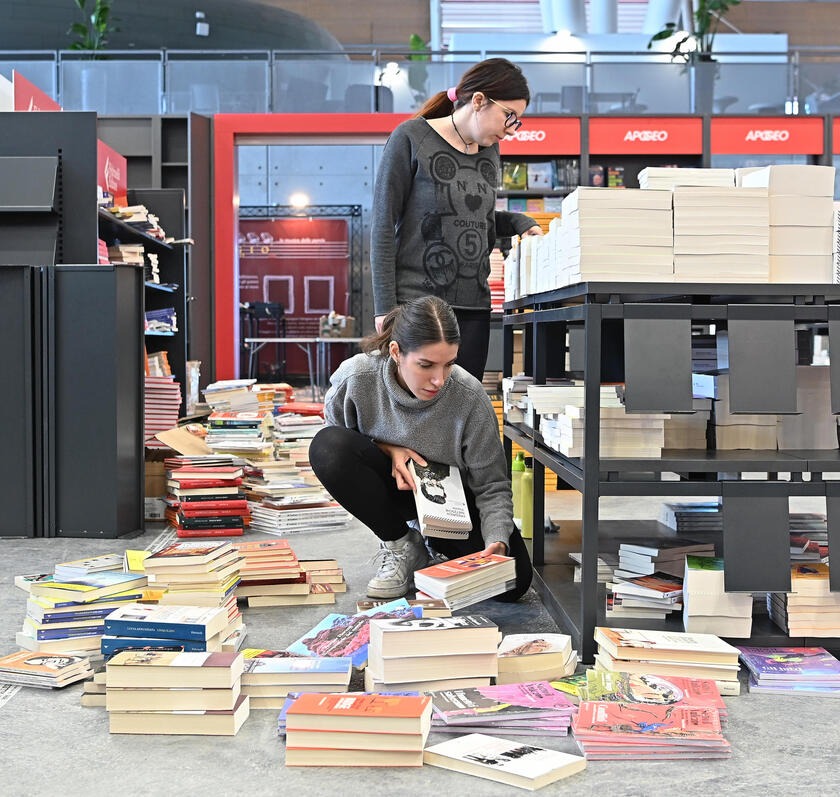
{"x":767,"y":135}
{"x":542,"y":135}
{"x":646,"y":135}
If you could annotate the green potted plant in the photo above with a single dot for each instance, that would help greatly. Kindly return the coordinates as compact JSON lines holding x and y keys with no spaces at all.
{"x":92,"y":33}
{"x":417,"y":72}
{"x":695,"y":49}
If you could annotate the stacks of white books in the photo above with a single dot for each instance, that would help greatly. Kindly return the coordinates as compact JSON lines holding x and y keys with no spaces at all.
{"x":708,"y":607}
{"x":514,"y":394}
{"x":835,"y":241}
{"x":644,"y":556}
{"x":814,"y":426}
{"x":810,"y":609}
{"x":721,"y":234}
{"x":688,"y":429}
{"x":801,"y":220}
{"x":512,"y":271}
{"x":667,"y":178}
{"x":652,"y":597}
{"x":757,"y":432}
{"x":616,"y":234}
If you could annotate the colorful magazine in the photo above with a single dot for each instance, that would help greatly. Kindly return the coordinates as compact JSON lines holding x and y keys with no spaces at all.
{"x":490,"y":704}
{"x":794,"y":664}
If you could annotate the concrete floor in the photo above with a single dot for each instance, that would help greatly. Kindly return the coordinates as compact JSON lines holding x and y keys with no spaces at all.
{"x":49,"y":743}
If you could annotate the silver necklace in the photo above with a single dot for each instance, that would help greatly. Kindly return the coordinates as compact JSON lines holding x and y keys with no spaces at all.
{"x":455,"y":127}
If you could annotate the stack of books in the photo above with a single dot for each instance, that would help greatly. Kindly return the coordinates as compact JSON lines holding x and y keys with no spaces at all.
{"x":708,"y":607}
{"x":268,"y":678}
{"x":644,"y":556}
{"x":294,"y":426}
{"x":512,"y":763}
{"x":792,"y":671}
{"x":415,"y":653}
{"x":162,"y":322}
{"x":198,"y":574}
{"x":667,"y":177}
{"x":94,"y":691}
{"x":688,"y":430}
{"x":607,"y":563}
{"x":496,"y":280}
{"x":721,"y":234}
{"x":629,"y":731}
{"x":668,"y":653}
{"x":734,"y":431}
{"x":522,"y":709}
{"x":652,"y":597}
{"x":514,"y":392}
{"x":325,"y":571}
{"x":68,"y":616}
{"x":161,"y":407}
{"x":535,"y":657}
{"x":800,"y":217}
{"x":467,"y":580}
{"x":692,"y":517}
{"x":189,"y":628}
{"x":808,"y":537}
{"x":813,"y":426}
{"x":43,"y":671}
{"x":271,"y":576}
{"x":232,"y":395}
{"x":810,"y":609}
{"x":241,"y":433}
{"x":295,"y":514}
{"x":357,"y":730}
{"x":170,"y":692}
{"x":141,"y":218}
{"x":206,"y":501}
{"x":610,"y":234}
{"x":126,"y":253}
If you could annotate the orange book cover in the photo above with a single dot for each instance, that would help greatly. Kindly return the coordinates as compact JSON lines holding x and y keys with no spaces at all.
{"x":466,"y":564}
{"x":345,"y":705}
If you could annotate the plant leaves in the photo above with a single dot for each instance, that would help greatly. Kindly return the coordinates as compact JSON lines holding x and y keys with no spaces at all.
{"x":81,"y":4}
{"x":78,"y":28}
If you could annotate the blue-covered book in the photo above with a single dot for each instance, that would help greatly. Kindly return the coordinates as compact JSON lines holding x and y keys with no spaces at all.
{"x":43,"y":634}
{"x":166,"y":622}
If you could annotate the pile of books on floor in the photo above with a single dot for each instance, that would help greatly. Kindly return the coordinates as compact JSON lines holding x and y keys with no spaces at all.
{"x":667,"y":178}
{"x":299,"y":513}
{"x":161,"y":407}
{"x":263,"y":475}
{"x":204,"y":499}
{"x":609,"y":234}
{"x":467,"y":580}
{"x":810,"y":609}
{"x":239,"y":433}
{"x":232,"y":395}
{"x":692,"y":517}
{"x":293,"y":426}
{"x":357,"y":730}
{"x":272,"y":576}
{"x":668,"y":653}
{"x":67,"y":614}
{"x":169,"y":692}
{"x":410,"y":653}
{"x":800,"y":220}
{"x":721,"y":234}
{"x":708,"y":607}
{"x":43,"y":671}
{"x":792,"y":671}
{"x":535,"y":657}
{"x":269,"y":676}
{"x":607,"y":563}
{"x":94,"y":693}
{"x":520,"y":709}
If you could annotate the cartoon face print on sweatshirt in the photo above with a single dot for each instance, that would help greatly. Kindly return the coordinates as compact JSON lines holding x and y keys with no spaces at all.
{"x":456,"y":237}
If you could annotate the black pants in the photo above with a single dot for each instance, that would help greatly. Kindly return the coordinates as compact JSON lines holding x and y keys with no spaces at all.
{"x":357,"y":474}
{"x":475,"y":340}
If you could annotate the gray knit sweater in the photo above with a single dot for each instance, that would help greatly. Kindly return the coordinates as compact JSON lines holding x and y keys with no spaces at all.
{"x":435,"y":221}
{"x":456,"y":427}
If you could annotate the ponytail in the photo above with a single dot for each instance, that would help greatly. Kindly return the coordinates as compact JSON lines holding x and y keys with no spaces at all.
{"x":438,"y":106}
{"x":414,"y":324}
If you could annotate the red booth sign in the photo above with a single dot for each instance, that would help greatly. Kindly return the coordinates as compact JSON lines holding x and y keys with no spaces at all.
{"x":836,"y":136}
{"x":542,"y":135}
{"x":646,"y":135}
{"x":28,"y":97}
{"x":767,"y":135}
{"x":111,"y":173}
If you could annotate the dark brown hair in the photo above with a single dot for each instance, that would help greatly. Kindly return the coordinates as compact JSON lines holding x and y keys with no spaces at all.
{"x":496,"y":77}
{"x":413,"y":324}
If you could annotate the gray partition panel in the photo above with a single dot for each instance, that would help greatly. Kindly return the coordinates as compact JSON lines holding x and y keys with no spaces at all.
{"x":17,"y":467}
{"x":577,"y":347}
{"x":657,"y":358}
{"x":834,"y":362}
{"x":756,"y":537}
{"x":762,"y":360}
{"x":832,"y":512}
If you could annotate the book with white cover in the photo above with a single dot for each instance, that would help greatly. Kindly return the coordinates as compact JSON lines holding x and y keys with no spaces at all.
{"x":790,"y":240}
{"x":802,"y":268}
{"x":618,"y":198}
{"x":805,"y":211}
{"x":793,"y":179}
{"x":646,"y":645}
{"x":513,"y":763}
{"x":441,"y":503}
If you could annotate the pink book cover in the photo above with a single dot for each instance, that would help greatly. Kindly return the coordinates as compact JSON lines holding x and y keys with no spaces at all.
{"x":633,"y":722}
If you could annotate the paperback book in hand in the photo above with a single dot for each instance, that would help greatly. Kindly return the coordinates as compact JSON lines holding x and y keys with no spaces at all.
{"x":441,"y":503}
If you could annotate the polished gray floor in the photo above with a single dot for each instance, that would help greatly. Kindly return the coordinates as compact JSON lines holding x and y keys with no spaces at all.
{"x":49,"y":743}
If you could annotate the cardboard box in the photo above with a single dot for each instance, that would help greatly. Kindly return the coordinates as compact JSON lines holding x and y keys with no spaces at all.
{"x":155,"y":480}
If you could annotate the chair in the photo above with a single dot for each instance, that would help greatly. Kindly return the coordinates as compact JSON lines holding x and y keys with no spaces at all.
{"x":254,"y":316}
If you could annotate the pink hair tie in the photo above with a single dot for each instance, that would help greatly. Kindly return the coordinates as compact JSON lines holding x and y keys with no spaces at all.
{"x":452,"y":94}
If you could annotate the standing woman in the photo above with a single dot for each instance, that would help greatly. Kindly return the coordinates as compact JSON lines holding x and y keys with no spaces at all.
{"x":435,"y":221}
{"x":405,"y":399}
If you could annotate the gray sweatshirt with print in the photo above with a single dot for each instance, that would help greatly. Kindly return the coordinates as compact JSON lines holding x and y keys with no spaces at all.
{"x":456,"y":427}
{"x":435,"y":220}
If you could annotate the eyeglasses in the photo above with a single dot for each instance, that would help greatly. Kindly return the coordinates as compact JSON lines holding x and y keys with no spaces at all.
{"x":511,"y":119}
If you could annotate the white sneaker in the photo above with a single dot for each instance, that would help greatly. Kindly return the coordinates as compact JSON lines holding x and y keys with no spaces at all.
{"x":399,"y":559}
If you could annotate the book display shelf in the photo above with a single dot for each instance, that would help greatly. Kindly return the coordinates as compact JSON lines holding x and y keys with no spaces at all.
{"x":641,"y":334}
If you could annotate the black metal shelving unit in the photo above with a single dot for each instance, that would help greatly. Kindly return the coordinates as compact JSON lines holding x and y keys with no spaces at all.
{"x":641,"y":332}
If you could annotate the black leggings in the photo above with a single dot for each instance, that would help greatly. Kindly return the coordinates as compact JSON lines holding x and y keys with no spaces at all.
{"x":475,"y":340}
{"x":357,"y":474}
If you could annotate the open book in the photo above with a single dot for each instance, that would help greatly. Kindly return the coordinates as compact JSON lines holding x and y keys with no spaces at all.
{"x":441,"y":503}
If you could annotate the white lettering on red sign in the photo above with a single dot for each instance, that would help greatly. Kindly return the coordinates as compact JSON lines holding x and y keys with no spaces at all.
{"x":527,"y":135}
{"x":768,"y":135}
{"x":646,"y":135}
{"x":112,"y":176}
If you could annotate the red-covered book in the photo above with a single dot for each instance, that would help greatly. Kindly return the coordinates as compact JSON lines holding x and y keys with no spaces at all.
{"x":303,"y":408}
{"x":194,"y":483}
{"x":383,"y":713}
{"x":191,"y":507}
{"x":209,"y":532}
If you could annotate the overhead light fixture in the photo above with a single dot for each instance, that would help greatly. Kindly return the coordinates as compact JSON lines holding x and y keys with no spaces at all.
{"x":299,"y":200}
{"x":202,"y":26}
